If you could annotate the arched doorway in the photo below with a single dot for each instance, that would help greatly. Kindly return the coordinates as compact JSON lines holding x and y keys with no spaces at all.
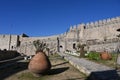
{"x":74,"y":46}
{"x":61,"y":48}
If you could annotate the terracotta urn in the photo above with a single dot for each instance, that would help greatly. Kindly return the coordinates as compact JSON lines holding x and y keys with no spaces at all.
{"x":105,"y":56}
{"x":39,"y":64}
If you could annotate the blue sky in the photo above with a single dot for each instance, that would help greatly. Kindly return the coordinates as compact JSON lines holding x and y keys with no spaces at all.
{"x":51,"y":17}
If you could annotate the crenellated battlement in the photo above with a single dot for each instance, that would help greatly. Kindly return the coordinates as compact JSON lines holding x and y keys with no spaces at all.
{"x":103,"y":22}
{"x":100,"y":29}
{"x":95,"y":24}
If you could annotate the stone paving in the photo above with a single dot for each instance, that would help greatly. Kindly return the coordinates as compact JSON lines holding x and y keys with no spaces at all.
{"x":89,"y":68}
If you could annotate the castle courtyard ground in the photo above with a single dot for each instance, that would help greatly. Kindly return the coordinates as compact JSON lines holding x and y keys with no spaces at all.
{"x":61,"y":70}
{"x":64,"y":67}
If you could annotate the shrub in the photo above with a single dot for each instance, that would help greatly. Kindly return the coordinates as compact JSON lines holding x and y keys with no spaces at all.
{"x":40,"y":45}
{"x":93,"y":55}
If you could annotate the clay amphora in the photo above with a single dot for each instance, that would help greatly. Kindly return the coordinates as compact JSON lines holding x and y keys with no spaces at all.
{"x":105,"y":56}
{"x":39,"y":64}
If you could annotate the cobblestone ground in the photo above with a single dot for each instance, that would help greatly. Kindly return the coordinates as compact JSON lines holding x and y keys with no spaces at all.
{"x":61,"y":70}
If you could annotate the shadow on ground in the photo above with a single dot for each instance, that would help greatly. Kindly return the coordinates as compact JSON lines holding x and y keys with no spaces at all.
{"x":60,"y":64}
{"x":11,"y":70}
{"x":57,"y":70}
{"x":104,"y":75}
{"x":20,"y":66}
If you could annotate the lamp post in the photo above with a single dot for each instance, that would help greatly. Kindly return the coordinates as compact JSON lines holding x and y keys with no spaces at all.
{"x":118,"y":50}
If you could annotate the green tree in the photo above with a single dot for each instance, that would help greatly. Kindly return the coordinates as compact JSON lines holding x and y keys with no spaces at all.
{"x":81,"y":48}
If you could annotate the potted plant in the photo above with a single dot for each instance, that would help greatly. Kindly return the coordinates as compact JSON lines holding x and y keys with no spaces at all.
{"x":40,"y":63}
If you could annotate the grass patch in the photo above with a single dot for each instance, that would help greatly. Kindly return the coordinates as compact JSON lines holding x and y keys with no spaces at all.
{"x":29,"y":76}
{"x":54,"y":55}
{"x":95,"y":57}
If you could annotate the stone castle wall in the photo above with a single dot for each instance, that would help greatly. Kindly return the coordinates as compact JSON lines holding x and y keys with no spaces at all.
{"x":89,"y":33}
{"x":95,"y":30}
{"x":28,"y":48}
{"x":110,"y":47}
{"x":8,"y":42}
{"x":98,"y":31}
{"x":4,"y":41}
